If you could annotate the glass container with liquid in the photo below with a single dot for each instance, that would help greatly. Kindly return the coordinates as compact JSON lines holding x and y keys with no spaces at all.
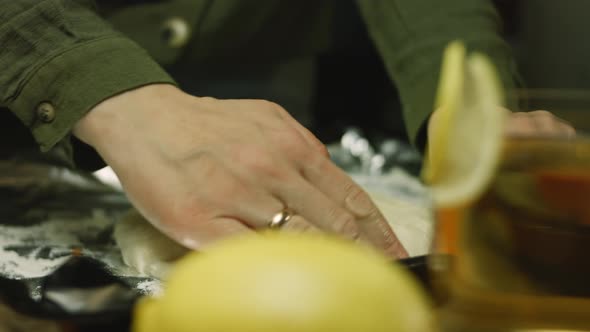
{"x":515,"y":259}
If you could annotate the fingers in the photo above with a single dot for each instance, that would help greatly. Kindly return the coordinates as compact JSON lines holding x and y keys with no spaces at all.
{"x":317,"y":208}
{"x":538,"y":123}
{"x":255,"y":209}
{"x":204,"y":233}
{"x":298,"y":224}
{"x":336,"y":184}
{"x":250,"y":213}
{"x":375,"y":234}
{"x":519,"y":125}
{"x":310,"y":138}
{"x":395,"y":250}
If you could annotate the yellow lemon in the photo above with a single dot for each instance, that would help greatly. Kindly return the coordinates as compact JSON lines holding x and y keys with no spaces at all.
{"x":286,"y":282}
{"x":466,"y":134}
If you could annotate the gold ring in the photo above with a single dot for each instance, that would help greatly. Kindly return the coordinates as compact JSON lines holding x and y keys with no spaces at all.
{"x":279,"y":219}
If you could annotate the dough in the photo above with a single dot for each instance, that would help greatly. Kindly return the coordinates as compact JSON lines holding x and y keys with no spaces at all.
{"x":144,"y":247}
{"x":412,"y":222}
{"x":151,"y":253}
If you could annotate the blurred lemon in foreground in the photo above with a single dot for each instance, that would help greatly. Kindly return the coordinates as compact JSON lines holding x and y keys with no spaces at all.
{"x":466,"y":134}
{"x":286,"y":282}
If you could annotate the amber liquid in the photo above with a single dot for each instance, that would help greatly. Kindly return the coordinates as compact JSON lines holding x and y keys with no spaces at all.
{"x":518,"y":254}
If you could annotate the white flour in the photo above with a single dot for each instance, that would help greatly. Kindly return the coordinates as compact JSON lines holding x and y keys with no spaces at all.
{"x":150,"y":287}
{"x":15,"y":266}
{"x":38,"y":250}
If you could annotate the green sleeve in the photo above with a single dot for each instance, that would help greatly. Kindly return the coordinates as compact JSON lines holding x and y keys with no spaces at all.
{"x":61,"y":53}
{"x":411,"y":36}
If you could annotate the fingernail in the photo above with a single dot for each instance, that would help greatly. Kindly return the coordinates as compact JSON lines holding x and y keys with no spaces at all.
{"x":348,"y":228}
{"x":352,"y":231}
{"x":359,"y":204}
{"x":398,"y":251}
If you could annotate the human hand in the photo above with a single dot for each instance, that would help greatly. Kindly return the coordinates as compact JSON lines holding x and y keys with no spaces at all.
{"x":534,"y":123}
{"x":201,"y":169}
{"x":538,"y":123}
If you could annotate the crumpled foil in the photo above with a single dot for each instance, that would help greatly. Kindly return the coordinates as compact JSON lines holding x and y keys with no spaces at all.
{"x":390,"y":167}
{"x":51,"y":215}
{"x":356,"y":155}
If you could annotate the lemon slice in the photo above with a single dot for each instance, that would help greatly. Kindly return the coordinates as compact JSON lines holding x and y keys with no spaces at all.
{"x":465,"y":138}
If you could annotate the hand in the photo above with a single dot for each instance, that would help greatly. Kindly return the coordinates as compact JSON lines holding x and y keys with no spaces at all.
{"x":538,"y":123}
{"x":201,"y":169}
{"x":535,"y":123}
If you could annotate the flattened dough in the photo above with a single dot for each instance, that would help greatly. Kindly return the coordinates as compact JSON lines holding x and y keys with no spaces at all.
{"x":151,"y":253}
{"x":144,"y":247}
{"x":411,"y":222}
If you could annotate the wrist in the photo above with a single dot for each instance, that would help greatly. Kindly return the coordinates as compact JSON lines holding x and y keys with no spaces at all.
{"x":110,"y":120}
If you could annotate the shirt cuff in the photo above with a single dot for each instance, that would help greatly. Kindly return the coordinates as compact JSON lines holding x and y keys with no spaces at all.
{"x":64,"y":89}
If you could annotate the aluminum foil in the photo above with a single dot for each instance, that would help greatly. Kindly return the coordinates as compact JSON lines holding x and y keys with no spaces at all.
{"x":390,"y":167}
{"x":51,"y":215}
{"x":356,"y":155}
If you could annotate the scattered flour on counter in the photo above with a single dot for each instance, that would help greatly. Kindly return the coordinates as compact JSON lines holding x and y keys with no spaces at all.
{"x":38,"y":250}
{"x":15,"y":266}
{"x":152,"y":287}
{"x":56,"y":231}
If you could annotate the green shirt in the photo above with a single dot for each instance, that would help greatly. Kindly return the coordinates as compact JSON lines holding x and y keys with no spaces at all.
{"x":72,"y":54}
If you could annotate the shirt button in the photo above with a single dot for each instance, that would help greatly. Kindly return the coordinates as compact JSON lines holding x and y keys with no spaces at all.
{"x":175,"y":32}
{"x":45,"y":112}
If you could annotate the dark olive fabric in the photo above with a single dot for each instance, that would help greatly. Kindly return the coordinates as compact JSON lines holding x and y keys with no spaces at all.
{"x":61,"y":52}
{"x":76,"y":53}
{"x":411,"y":36}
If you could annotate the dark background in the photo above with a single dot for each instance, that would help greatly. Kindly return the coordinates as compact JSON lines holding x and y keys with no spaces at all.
{"x":550,"y":41}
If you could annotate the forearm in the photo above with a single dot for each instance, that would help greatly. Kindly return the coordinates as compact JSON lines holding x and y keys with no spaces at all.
{"x":63,"y":54}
